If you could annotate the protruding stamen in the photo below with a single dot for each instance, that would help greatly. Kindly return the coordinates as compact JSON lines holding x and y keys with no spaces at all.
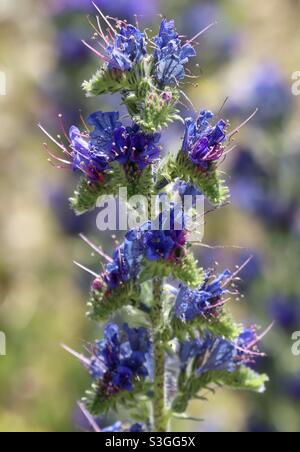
{"x":51,"y":138}
{"x":259,"y":338}
{"x":95,"y":248}
{"x":95,"y":51}
{"x":235,"y":131}
{"x":104,"y":17}
{"x":201,"y":32}
{"x":86,"y":269}
{"x":234,"y":275}
{"x":89,"y":418}
{"x":79,"y":356}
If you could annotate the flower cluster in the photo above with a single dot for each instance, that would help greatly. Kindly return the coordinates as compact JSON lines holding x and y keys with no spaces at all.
{"x":126,"y":145}
{"x":217,"y":354}
{"x":147,"y":242}
{"x":203,"y":142}
{"x":131,"y":366}
{"x":110,"y":141}
{"x":127,"y":48}
{"x":203,"y":302}
{"x":171,"y":55}
{"x":120,"y":358}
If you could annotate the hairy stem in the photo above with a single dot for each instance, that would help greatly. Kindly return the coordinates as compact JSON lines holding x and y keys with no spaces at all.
{"x":160,"y":420}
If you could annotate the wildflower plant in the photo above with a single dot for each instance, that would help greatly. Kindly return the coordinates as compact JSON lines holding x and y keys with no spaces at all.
{"x":178,"y":311}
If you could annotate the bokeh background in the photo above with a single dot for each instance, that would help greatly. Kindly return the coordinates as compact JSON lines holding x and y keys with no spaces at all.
{"x":249,"y":58}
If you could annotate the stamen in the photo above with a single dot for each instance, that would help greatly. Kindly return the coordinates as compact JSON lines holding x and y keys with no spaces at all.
{"x":104,"y":17}
{"x":95,"y":248}
{"x":218,"y":304}
{"x":54,"y":156}
{"x":84,"y":123}
{"x":89,"y":418}
{"x":86,"y":269}
{"x":233,"y":276}
{"x":95,"y":51}
{"x":60,"y":118}
{"x":60,"y":145}
{"x":101,"y":31}
{"x":79,"y":356}
{"x":242,"y":125}
{"x":201,"y":32}
{"x":259,"y":338}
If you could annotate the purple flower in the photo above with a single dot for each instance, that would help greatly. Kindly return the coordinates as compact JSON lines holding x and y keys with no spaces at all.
{"x":171,"y":55}
{"x":122,"y":144}
{"x":203,"y":142}
{"x":119,"y":358}
{"x":204,"y":301}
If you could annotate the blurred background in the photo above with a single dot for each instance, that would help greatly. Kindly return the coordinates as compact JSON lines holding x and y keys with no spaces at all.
{"x":248,"y":57}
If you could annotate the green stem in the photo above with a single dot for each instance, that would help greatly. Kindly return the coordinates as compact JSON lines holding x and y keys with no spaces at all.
{"x":160,"y":418}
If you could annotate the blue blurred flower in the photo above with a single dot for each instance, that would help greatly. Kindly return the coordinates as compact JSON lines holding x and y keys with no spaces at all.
{"x":171,"y":55}
{"x":220,"y":44}
{"x":285,"y":311}
{"x":267,"y":90}
{"x":122,"y":8}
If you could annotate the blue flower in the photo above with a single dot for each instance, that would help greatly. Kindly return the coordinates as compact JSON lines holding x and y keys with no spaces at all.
{"x":138,"y":339}
{"x":212,"y":353}
{"x":185,"y":189}
{"x":167,"y":241}
{"x":126,"y":145}
{"x":189,"y":349}
{"x":120,"y":358}
{"x":216,"y":354}
{"x":144,"y":149}
{"x":203,"y":142}
{"x":122,"y":378}
{"x":137,"y":428}
{"x":127,"y":49}
{"x":170,"y":54}
{"x":82,"y":155}
{"x":191,"y":304}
